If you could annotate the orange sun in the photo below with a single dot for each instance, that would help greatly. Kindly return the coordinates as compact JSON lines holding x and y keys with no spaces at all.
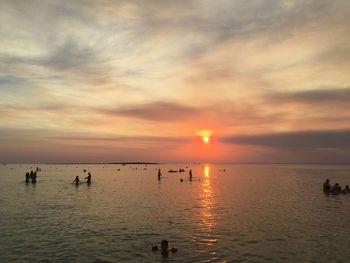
{"x":205,"y":135}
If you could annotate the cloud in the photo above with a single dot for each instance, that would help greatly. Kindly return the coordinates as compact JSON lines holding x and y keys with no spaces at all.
{"x":125,"y":139}
{"x":15,"y":83}
{"x":315,"y":96}
{"x":171,"y":67}
{"x":296,"y":140}
{"x":156,"y":111}
{"x":69,"y":56}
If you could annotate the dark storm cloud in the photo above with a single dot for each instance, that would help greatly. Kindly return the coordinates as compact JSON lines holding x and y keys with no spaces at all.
{"x":157,"y":111}
{"x":296,"y":140}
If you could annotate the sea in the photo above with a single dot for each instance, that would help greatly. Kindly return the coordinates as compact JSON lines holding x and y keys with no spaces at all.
{"x":227,"y":213}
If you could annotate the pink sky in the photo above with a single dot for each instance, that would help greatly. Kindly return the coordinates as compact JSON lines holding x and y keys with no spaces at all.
{"x":140,"y":80}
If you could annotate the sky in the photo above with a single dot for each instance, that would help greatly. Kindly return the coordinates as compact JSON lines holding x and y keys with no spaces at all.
{"x":128,"y":80}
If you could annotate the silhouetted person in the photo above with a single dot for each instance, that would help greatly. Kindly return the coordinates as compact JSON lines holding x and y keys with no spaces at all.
{"x":27,"y":177}
{"x":164,"y":247}
{"x":347,"y":189}
{"x":88,"y":178}
{"x":76,"y":181}
{"x":159,"y":174}
{"x":326,"y":186}
{"x":190,"y":174}
{"x":34,"y":178}
{"x":31,"y":174}
{"x":336,"y":189}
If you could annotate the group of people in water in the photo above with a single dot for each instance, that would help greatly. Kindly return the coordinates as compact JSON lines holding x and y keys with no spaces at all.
{"x":77,"y":179}
{"x":335,"y":189}
{"x":181,"y":180}
{"x":31,"y":176}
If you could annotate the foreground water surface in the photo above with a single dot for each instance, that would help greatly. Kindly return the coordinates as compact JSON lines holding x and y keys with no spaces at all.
{"x":232,"y":213}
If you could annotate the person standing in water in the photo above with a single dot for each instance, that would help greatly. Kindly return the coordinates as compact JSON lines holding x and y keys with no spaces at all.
{"x":34,"y":178}
{"x":190,"y":174}
{"x":159,"y":174}
{"x":27,"y":177}
{"x":76,"y":181}
{"x":88,"y":178}
{"x":326,"y":186}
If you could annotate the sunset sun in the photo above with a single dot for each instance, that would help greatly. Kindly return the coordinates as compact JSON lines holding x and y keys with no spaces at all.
{"x":205,"y":135}
{"x":206,"y":139}
{"x":174,"y":131}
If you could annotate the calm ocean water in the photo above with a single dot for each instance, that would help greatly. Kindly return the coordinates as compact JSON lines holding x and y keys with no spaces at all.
{"x":248,"y":213}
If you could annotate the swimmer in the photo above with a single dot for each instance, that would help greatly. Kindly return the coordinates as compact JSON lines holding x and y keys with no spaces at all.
{"x":76,"y":180}
{"x":336,"y":189}
{"x":347,"y":189}
{"x":164,"y":248}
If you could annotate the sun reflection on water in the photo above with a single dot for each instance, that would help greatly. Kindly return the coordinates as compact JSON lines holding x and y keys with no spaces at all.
{"x":208,"y":205}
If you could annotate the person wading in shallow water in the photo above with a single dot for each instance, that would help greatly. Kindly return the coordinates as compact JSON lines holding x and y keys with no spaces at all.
{"x":88,"y":178}
{"x":76,"y":181}
{"x":326,"y":186}
{"x":159,"y":174}
{"x":190,"y":174}
{"x":27,"y":177}
{"x":164,"y":248}
{"x":34,"y":178}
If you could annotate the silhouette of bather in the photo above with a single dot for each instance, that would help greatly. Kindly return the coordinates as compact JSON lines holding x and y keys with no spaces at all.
{"x":88,"y":178}
{"x":76,"y":180}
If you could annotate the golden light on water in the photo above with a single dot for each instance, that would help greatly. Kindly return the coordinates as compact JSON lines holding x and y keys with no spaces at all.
{"x":208,"y":202}
{"x":206,"y":139}
{"x":206,"y":171}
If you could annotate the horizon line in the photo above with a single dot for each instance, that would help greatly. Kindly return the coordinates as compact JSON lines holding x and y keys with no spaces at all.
{"x":163,"y":163}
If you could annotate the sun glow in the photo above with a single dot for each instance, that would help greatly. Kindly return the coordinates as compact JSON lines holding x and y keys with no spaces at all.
{"x":205,"y":134}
